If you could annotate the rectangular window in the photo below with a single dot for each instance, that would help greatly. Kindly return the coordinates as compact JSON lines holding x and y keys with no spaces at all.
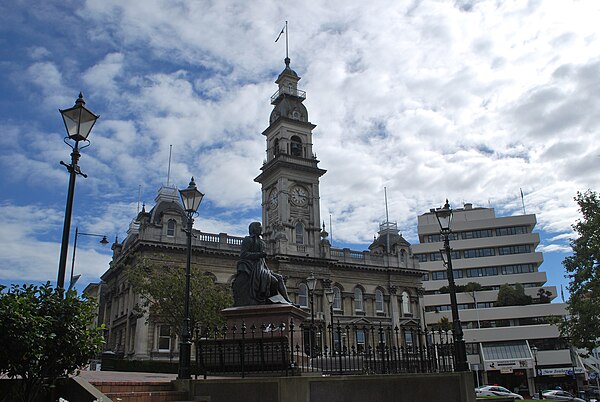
{"x":425,"y":277}
{"x":358,"y":300}
{"x":171,"y":228}
{"x":434,"y":238}
{"x":379,"y":303}
{"x":479,"y":252}
{"x":435,"y":256}
{"x":472,"y":348}
{"x":486,"y":271}
{"x":337,"y":298}
{"x":520,"y":249}
{"x":421,"y":257}
{"x":164,"y":338}
{"x":513,"y":230}
{"x":517,"y":269}
{"x":440,"y":275}
{"x":476,"y":234}
{"x":360,"y":340}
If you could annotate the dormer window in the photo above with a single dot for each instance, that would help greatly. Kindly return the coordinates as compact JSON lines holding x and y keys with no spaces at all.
{"x":171,"y":228}
{"x":296,"y":146}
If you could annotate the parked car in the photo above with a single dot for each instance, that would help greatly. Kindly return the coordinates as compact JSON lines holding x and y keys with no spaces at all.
{"x":560,"y":395}
{"x":495,"y":390}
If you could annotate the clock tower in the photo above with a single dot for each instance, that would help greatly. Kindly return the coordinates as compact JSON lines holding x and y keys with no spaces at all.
{"x":290,"y":176}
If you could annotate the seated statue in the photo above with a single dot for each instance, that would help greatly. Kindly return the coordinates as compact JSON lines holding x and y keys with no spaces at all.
{"x":254,"y":282}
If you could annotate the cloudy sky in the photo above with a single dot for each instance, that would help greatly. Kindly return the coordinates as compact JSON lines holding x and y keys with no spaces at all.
{"x":465,"y":100}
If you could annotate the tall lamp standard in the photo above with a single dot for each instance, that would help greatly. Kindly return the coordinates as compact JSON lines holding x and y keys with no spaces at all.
{"x":311,"y":282}
{"x":190,"y":198}
{"x":104,"y":242}
{"x":79,"y":121}
{"x":329,"y":295}
{"x":534,"y":351}
{"x":444,"y":217}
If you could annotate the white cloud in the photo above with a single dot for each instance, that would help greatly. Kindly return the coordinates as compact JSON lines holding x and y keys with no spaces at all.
{"x":470,"y":100}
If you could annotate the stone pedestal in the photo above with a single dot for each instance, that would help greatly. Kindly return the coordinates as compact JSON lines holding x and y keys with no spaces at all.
{"x":268,"y":314}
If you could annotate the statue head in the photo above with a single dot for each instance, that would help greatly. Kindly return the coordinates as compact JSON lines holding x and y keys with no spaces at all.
{"x":255,"y":228}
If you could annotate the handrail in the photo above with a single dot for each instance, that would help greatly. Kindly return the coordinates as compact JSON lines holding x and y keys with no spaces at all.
{"x":289,"y":91}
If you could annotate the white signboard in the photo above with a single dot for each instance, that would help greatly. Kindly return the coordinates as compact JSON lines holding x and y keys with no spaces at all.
{"x":560,"y":371}
{"x":506,"y":366}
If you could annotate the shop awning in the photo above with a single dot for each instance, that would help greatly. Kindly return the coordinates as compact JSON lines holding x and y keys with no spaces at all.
{"x":506,"y":356}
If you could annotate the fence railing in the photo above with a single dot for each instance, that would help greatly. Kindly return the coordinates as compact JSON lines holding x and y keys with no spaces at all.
{"x":333,"y":349}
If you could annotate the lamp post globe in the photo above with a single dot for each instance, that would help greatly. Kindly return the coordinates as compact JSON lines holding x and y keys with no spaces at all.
{"x":191,"y":198}
{"x":79,"y":122}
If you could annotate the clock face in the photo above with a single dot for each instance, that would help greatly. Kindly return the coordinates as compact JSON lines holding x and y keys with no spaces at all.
{"x":299,"y":195}
{"x":273,"y":198}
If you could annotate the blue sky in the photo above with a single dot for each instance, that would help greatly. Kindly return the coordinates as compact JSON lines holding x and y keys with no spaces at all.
{"x":465,"y":100}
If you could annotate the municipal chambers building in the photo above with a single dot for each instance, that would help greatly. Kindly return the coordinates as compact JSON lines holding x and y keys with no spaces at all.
{"x":381,"y":285}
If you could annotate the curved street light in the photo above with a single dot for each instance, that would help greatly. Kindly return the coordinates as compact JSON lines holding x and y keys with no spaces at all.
{"x":104,"y":242}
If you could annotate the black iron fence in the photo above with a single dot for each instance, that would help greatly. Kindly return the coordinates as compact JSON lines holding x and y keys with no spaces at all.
{"x":333,"y":349}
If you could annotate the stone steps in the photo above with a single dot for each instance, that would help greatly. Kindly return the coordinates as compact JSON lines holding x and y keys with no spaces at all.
{"x":131,"y":391}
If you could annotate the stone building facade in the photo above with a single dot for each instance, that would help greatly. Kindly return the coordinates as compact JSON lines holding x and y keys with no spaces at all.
{"x":381,"y":285}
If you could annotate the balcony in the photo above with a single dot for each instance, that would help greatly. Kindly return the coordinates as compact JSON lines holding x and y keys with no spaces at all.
{"x":287,"y":91}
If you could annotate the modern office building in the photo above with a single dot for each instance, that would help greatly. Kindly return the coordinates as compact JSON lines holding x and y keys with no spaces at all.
{"x":381,"y":286}
{"x":503,"y":342}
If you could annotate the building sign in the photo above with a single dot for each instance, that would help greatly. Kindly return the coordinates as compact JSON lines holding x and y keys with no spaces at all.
{"x":507,"y":366}
{"x":560,"y":371}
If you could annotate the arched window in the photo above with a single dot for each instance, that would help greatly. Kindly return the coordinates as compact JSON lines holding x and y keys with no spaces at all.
{"x":276,"y":147}
{"x":405,"y":302}
{"x":302,"y":295}
{"x":296,"y":146}
{"x":379,"y":305}
{"x":299,"y":233}
{"x":402,"y":255}
{"x":171,"y":228}
{"x":337,"y":298}
{"x":358,"y":299}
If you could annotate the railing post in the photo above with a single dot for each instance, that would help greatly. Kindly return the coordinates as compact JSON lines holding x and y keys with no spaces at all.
{"x":243,"y":348}
{"x":381,"y":348}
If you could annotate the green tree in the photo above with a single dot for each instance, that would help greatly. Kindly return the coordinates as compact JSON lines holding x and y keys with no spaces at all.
{"x":44,"y":336}
{"x":544,"y":296}
{"x":510,"y":295}
{"x":162,"y":289}
{"x":583,"y":271}
{"x":443,"y":324}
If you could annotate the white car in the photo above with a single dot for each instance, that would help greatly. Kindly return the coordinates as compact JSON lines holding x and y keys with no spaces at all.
{"x":496,"y":390}
{"x":560,"y":395}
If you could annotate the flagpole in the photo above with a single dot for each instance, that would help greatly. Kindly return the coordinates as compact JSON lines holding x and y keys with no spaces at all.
{"x":286,"y":42}
{"x":523,"y":201}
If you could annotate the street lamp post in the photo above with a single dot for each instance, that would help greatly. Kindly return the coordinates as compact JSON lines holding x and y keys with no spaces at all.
{"x":190,"y":198}
{"x":330,"y":295}
{"x":79,"y":121}
{"x":311,"y":282}
{"x":534,"y":351}
{"x":444,"y":217}
{"x":104,"y":242}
